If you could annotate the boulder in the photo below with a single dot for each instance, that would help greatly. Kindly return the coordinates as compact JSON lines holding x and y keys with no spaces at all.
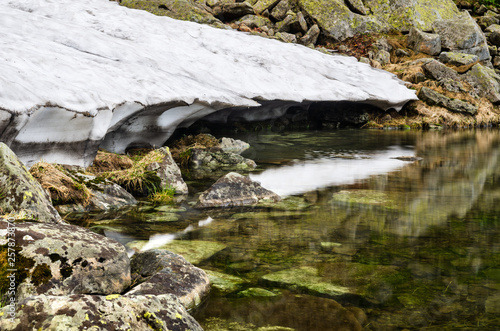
{"x":286,"y":37}
{"x":383,"y":57}
{"x":20,"y":194}
{"x":185,"y":10}
{"x":485,"y":21}
{"x":213,"y":159}
{"x":255,"y":21}
{"x":279,"y":11}
{"x":162,"y":272}
{"x":263,"y":5}
{"x":462,"y":34}
{"x":234,"y":190}
{"x":311,"y":36}
{"x":423,"y":42}
{"x":230,"y":145}
{"x":169,"y":172}
{"x":93,"y":312}
{"x":60,"y":259}
{"x":357,"y":7}
{"x":458,"y":59}
{"x":432,"y":97}
{"x":485,"y":81}
{"x":494,"y":34}
{"x":438,"y":71}
{"x":234,"y":10}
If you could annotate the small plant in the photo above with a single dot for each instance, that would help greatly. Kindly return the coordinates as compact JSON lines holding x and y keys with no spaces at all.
{"x":164,"y":196}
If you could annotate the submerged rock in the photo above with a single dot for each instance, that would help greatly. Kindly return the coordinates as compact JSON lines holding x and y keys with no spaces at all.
{"x":93,"y":312}
{"x":162,"y":272}
{"x":234,"y":190}
{"x":21,"y":195}
{"x":59,"y":259}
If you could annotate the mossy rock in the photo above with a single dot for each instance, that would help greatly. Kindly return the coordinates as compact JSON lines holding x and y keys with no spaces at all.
{"x":225,"y":283}
{"x":253,"y":292}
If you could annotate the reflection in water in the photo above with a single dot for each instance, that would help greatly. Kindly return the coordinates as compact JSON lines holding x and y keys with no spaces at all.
{"x":416,"y":246}
{"x":319,"y":173}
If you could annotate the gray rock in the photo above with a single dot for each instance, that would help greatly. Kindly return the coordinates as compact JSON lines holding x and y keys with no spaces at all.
{"x":301,"y":22}
{"x":254,"y":21}
{"x":280,"y":10}
{"x":383,"y":57}
{"x":494,"y":34}
{"x":482,"y":52}
{"x":486,"y":21}
{"x":163,"y":272}
{"x":438,"y":71}
{"x":457,"y":59}
{"x":263,"y":5}
{"x":383,"y":44}
{"x":452,"y":85}
{"x":234,"y":190}
{"x":493,"y":50}
{"x":311,"y":36}
{"x":485,"y":82}
{"x":21,"y":195}
{"x":233,"y":10}
{"x":286,"y":37}
{"x":423,"y":42}
{"x":93,"y":312}
{"x":169,"y":172}
{"x":230,"y":145}
{"x":432,"y":97}
{"x":62,"y":259}
{"x":482,"y":10}
{"x":284,"y":26}
{"x":215,"y":159}
{"x":357,"y":7}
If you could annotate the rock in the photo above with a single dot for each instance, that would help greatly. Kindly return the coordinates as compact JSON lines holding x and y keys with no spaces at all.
{"x":225,"y":283}
{"x":382,"y":44}
{"x":234,"y":10}
{"x":357,"y":7}
{"x":21,"y":195}
{"x":486,"y":21}
{"x":438,"y":71}
{"x":253,"y":292}
{"x":286,"y":37}
{"x":162,"y":272}
{"x":213,"y":159}
{"x":93,"y":312}
{"x":493,"y":50}
{"x":185,"y":10}
{"x":383,"y":57}
{"x":254,"y":21}
{"x":492,"y":304}
{"x":401,"y":52}
{"x":462,"y":34}
{"x":61,"y":259}
{"x":285,"y":25}
{"x":263,"y":5}
{"x":482,"y":10}
{"x":423,"y":42}
{"x":151,"y":99}
{"x":485,"y":81}
{"x":311,"y":36}
{"x":432,"y":97}
{"x":301,"y":25}
{"x":494,"y":34}
{"x":457,"y":59}
{"x":234,"y":190}
{"x":169,"y":172}
{"x":279,"y":11}
{"x":230,"y":145}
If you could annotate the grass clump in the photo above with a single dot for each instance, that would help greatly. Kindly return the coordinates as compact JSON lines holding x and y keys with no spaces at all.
{"x":181,"y":149}
{"x":62,"y":188}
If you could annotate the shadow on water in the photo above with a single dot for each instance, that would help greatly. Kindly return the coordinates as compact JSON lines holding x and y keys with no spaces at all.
{"x":363,"y":241}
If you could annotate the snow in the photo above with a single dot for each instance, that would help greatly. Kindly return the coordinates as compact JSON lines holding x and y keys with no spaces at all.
{"x":90,"y":67}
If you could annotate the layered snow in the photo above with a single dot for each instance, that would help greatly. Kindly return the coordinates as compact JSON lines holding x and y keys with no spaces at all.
{"x":76,"y":71}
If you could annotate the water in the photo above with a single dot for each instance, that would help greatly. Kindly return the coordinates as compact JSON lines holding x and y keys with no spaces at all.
{"x":363,"y":237}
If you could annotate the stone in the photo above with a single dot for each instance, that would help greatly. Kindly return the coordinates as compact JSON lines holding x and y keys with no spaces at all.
{"x":224,"y":283}
{"x":94,"y":312}
{"x":383,"y":57}
{"x":215,"y":159}
{"x":438,"y":71}
{"x":492,"y":304}
{"x":311,"y":36}
{"x":493,"y":50}
{"x":458,"y":59}
{"x":401,"y":52}
{"x":169,"y":172}
{"x":22,"y":197}
{"x":423,"y":42}
{"x":253,"y":292}
{"x":485,"y":82}
{"x":285,"y":25}
{"x":234,"y":10}
{"x":230,"y":145}
{"x":185,"y":10}
{"x":286,"y":37}
{"x":263,"y":5}
{"x":233,"y":190}
{"x":462,"y":34}
{"x":160,"y":272}
{"x":357,"y":7}
{"x":485,"y":21}
{"x":432,"y":97}
{"x":494,"y":34}
{"x":279,"y":11}
{"x":301,"y":23}
{"x":382,"y":44}
{"x":61,"y":259}
{"x":255,"y":21}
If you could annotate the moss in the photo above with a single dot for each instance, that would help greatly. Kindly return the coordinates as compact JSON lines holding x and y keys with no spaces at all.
{"x":41,"y":274}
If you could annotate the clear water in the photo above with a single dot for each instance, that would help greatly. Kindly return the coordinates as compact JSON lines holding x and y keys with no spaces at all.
{"x":410,"y":243}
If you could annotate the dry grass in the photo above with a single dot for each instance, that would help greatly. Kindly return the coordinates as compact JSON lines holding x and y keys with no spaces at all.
{"x":105,"y":162}
{"x":181,"y":148}
{"x":62,"y":188}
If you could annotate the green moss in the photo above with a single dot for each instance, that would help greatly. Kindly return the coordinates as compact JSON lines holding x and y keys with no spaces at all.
{"x":41,"y":274}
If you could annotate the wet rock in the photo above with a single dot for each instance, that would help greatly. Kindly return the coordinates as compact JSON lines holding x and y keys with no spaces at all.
{"x":230,"y":145}
{"x":492,"y":304}
{"x":423,"y":42}
{"x":234,"y":10}
{"x":234,"y":190}
{"x":311,"y":35}
{"x":485,"y":81}
{"x":438,"y":71}
{"x":432,"y":97}
{"x":93,"y":312}
{"x":212,"y":159}
{"x":169,"y":172}
{"x":21,"y":195}
{"x":162,"y":272}
{"x":61,"y":259}
{"x":224,"y":283}
{"x":253,"y":292}
{"x":458,"y":59}
{"x":462,"y":35}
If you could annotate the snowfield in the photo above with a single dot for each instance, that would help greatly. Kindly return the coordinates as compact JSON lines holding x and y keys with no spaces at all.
{"x":81,"y":75}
